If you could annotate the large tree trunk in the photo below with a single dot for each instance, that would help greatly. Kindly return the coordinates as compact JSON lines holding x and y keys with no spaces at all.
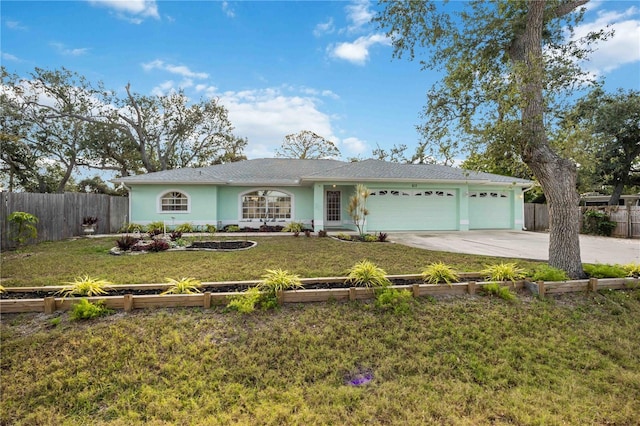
{"x":557,"y":176}
{"x":617,"y":192}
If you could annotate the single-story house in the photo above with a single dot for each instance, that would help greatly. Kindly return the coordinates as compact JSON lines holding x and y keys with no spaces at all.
{"x":402,"y":197}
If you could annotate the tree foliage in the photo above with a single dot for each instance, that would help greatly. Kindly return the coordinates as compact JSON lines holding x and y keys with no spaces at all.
{"x":505,"y":64}
{"x":59,"y":119}
{"x":307,"y":145}
{"x":608,"y":126}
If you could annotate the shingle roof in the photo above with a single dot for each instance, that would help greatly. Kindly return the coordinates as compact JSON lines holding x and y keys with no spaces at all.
{"x":285,"y":171}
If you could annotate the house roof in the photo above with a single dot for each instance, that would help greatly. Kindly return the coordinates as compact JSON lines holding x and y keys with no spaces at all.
{"x":293,"y":172}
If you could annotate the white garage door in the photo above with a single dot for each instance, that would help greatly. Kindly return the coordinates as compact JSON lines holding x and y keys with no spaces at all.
{"x":490,"y":210}
{"x":412,"y":210}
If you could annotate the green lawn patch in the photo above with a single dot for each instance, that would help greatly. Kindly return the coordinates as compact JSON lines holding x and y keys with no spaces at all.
{"x":54,"y":263}
{"x":475,"y":361}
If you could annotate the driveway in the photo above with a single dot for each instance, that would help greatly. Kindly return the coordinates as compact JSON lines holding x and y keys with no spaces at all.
{"x":520,"y":244}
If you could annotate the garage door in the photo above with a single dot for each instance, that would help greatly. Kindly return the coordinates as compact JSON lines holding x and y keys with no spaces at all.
{"x":412,"y":210}
{"x":490,"y":210}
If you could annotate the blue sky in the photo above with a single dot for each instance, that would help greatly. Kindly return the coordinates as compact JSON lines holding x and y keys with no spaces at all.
{"x":278,"y":67}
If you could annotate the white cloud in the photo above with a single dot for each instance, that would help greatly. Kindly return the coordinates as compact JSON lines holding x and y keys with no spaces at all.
{"x":15,"y":25}
{"x":354,"y":146}
{"x":622,"y":48}
{"x":357,"y":52}
{"x":174,"y":69}
{"x":9,"y":57}
{"x":134,"y":11}
{"x":359,"y":14}
{"x":266,"y":116}
{"x":228,"y":10}
{"x":64,"y":50}
{"x":324,"y":28}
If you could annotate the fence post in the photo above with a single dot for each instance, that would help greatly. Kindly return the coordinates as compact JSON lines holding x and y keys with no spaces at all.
{"x":416,"y":290}
{"x":128,"y":303}
{"x":471,"y":287}
{"x":49,"y":305}
{"x":540,"y":288}
{"x":629,"y":223}
{"x":352,"y":293}
{"x":593,"y":284}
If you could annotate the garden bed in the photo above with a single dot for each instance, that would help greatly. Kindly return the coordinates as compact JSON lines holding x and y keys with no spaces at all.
{"x":129,"y":297}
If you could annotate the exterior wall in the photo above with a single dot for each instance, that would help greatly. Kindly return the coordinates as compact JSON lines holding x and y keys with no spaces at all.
{"x":144,"y":204}
{"x":221,"y":206}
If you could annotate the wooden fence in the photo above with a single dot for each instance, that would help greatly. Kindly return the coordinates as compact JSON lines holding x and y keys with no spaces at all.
{"x":627,"y":218}
{"x":60,"y":215}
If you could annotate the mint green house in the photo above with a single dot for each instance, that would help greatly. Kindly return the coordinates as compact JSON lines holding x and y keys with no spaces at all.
{"x":402,"y":197}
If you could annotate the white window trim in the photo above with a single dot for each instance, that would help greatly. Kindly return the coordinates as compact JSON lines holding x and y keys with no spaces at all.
{"x":165,"y":192}
{"x":242,"y":194}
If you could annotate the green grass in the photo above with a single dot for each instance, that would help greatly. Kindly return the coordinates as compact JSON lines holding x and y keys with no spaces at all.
{"x":462,"y":361}
{"x":54,"y":263}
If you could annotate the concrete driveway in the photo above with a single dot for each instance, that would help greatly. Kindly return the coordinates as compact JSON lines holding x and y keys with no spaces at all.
{"x":520,"y":244}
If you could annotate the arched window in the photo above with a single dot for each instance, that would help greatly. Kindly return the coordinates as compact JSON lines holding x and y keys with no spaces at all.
{"x":174,"y":201}
{"x":266,"y":204}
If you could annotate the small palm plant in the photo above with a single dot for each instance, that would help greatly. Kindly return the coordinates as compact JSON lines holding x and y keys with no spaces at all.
{"x":277,"y":279}
{"x":439,"y":273}
{"x":368,"y":274}
{"x":85,"y":286}
{"x":183,"y":286}
{"x":503,"y":272}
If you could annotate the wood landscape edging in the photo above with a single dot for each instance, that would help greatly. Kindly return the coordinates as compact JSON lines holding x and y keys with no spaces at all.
{"x":128,"y":302}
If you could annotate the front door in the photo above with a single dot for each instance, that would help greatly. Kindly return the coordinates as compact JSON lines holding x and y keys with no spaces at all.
{"x":333,"y":209}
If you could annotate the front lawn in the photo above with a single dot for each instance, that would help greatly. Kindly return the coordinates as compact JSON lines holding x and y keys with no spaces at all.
{"x":456,"y":361}
{"x":57,"y":262}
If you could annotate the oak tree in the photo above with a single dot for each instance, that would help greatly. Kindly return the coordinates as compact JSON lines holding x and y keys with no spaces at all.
{"x":504,"y":64}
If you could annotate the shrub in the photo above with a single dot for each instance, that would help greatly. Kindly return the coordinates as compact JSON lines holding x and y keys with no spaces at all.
{"x":2,"y":290}
{"x":503,"y":272}
{"x":438,"y":273}
{"x":211,"y":229}
{"x":368,"y":238}
{"x":322,"y":233}
{"x":126,"y":242}
{"x":382,"y":237}
{"x":398,"y":301}
{"x":24,"y":227}
{"x":232,"y":228}
{"x":548,"y":273}
{"x":495,"y":289}
{"x":183,"y":286}
{"x":293,"y":227}
{"x":307,"y":233}
{"x":175,"y":235}
{"x":155,"y":228}
{"x":157,"y":245}
{"x":85,"y":286}
{"x":632,"y":269}
{"x":130,"y":228}
{"x":605,"y":271}
{"x":367,"y":274}
{"x":597,"y":223}
{"x":345,"y":237}
{"x":246,"y":301}
{"x":184,"y":228}
{"x":84,"y":310}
